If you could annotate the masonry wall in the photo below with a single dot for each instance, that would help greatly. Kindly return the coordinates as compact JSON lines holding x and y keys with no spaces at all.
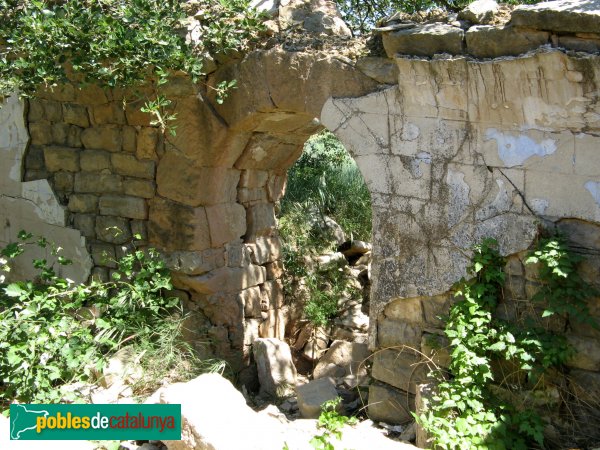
{"x":453,"y":149}
{"x":459,"y":151}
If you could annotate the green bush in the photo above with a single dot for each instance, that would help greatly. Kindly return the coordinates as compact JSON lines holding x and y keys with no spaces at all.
{"x":325,"y":180}
{"x":53,"y":332}
{"x":116,"y":43}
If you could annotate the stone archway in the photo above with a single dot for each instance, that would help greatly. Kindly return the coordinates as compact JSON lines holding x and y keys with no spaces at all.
{"x":218,"y":181}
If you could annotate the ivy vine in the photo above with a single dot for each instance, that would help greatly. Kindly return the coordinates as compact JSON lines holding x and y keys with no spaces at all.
{"x":466,"y":411}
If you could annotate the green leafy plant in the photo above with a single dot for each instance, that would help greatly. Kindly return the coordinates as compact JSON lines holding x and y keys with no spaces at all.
{"x":53,"y":332}
{"x":115,"y":43}
{"x":563,"y":291}
{"x":331,"y":423}
{"x":465,"y":411}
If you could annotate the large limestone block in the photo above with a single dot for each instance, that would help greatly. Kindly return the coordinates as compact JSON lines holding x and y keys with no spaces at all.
{"x":570,"y":16}
{"x":225,"y":279}
{"x":342,"y":359}
{"x":266,"y":152}
{"x":313,"y":394}
{"x":214,"y":416}
{"x":181,"y":179}
{"x":263,"y":86}
{"x":485,"y":41}
{"x":226,"y":222}
{"x":400,"y":369}
{"x":201,"y":135}
{"x":424,"y":40}
{"x":173,"y":226}
{"x":390,"y":405}
{"x":276,"y":371}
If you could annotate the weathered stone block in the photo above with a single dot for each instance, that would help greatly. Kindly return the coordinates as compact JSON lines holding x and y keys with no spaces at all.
{"x":94,"y":160}
{"x":226,"y":222}
{"x":123,"y":206}
{"x":274,"y":325}
{"x":195,"y":263}
{"x":129,"y":139}
{"x":63,"y":181}
{"x":401,"y":369}
{"x":424,"y":40}
{"x":111,"y":229}
{"x":139,"y":228}
{"x":237,"y":254}
{"x":225,"y":279}
{"x":436,"y":309}
{"x":274,"y":270}
{"x":394,"y":333}
{"x":103,"y":255}
{"x":587,"y":353}
{"x":253,"y":179}
{"x":86,"y":223}
{"x":251,"y":298}
{"x":34,"y":158}
{"x":98,"y":182}
{"x":91,"y":94}
{"x":147,"y":140}
{"x":405,"y":309}
{"x":139,"y":188}
{"x":265,"y":249}
{"x":83,"y":203}
{"x":75,"y":114}
{"x":313,"y":394}
{"x":342,"y":359}
{"x":108,"y":113}
{"x":389,"y":405}
{"x":179,"y":179}
{"x":276,"y":371}
{"x":102,"y":138}
{"x":560,"y":15}
{"x":61,"y":158}
{"x":173,"y":226}
{"x":260,"y":220}
{"x":272,"y":294}
{"x":258,"y":195}
{"x":485,"y":41}
{"x":578,"y":44}
{"x":41,"y":133}
{"x":128,"y":165}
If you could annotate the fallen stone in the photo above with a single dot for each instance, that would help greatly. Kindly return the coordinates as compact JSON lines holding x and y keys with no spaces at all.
{"x":354,"y":248}
{"x":276,"y":371}
{"x":313,"y":394}
{"x":214,"y":415}
{"x":390,"y":405}
{"x":316,"y":344}
{"x":570,"y":16}
{"x":479,"y":12}
{"x":424,"y":40}
{"x":341,"y":359}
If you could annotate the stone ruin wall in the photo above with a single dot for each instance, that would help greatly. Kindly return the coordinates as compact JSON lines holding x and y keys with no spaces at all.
{"x":453,"y":149}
